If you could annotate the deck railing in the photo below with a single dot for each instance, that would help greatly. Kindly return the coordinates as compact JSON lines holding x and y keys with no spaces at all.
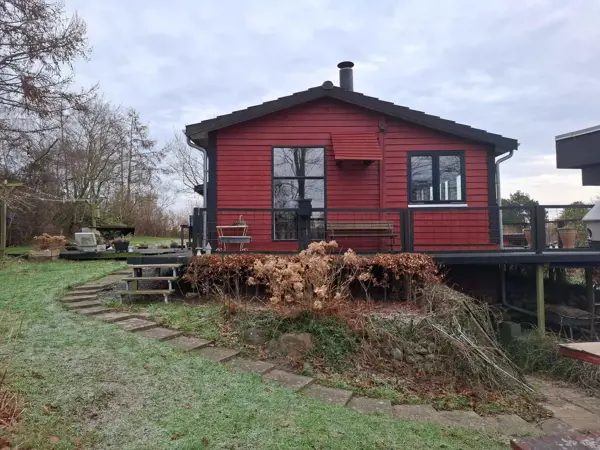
{"x":428,"y":229}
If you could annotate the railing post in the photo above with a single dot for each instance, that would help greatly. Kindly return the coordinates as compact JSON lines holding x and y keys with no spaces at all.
{"x":410,"y":221}
{"x":495,"y":218}
{"x":405,"y":230}
{"x":197,"y":228}
{"x":539,"y":224}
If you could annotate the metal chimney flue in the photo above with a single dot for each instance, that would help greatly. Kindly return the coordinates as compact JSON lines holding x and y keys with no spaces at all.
{"x":346,"y":76}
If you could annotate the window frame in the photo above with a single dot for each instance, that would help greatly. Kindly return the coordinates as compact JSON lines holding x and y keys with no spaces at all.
{"x":435,"y":168}
{"x":273,"y":178}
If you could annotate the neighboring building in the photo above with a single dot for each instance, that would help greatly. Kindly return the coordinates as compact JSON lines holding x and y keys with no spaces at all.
{"x":345,"y":150}
{"x":580,"y":150}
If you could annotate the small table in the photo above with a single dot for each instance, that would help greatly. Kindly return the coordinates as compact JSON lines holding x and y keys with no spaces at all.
{"x":233,"y":234}
{"x":585,"y":351}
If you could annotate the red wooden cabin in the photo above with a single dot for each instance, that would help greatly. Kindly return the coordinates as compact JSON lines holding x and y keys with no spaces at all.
{"x":345,"y":150}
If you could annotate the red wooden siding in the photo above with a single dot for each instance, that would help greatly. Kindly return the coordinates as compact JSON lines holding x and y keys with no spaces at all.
{"x":244,"y":159}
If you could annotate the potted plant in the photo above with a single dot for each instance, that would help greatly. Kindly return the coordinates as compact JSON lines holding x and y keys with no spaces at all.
{"x":121,"y":244}
{"x":240,"y":222}
{"x":47,"y":246}
{"x":567,"y":237}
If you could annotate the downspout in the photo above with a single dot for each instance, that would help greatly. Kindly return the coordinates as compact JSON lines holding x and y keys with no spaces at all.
{"x":205,"y":192}
{"x":499,"y":194}
{"x":501,"y":234}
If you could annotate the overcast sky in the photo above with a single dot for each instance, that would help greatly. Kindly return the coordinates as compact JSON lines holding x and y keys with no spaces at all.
{"x":526,"y":69}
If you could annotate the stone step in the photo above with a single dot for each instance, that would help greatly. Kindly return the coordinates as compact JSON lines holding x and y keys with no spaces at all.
{"x":288,"y":380}
{"x":87,"y":287}
{"x":339,"y":397}
{"x":147,"y":292}
{"x":134,"y":324}
{"x":84,"y":291}
{"x":424,"y":413}
{"x":218,"y":354}
{"x":114,"y":316}
{"x":93,"y":311}
{"x":83,"y":304}
{"x":188,"y":343}
{"x":371,"y":405}
{"x":129,"y":279}
{"x":249,"y":366}
{"x":79,"y":298}
{"x":160,"y":333}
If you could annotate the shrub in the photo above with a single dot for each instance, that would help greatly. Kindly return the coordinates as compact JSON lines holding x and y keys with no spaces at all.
{"x":317,"y":279}
{"x":48,"y":242}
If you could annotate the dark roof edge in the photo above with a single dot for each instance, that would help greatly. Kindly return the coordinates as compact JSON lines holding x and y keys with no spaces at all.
{"x":502,"y":144}
{"x":578,"y":133}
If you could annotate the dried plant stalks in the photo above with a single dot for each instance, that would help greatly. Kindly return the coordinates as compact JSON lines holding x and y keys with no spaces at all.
{"x":465,"y":330}
{"x":11,"y":404}
{"x":11,"y":408}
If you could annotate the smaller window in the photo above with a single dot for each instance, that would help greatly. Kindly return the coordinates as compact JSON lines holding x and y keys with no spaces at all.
{"x":437,"y":177}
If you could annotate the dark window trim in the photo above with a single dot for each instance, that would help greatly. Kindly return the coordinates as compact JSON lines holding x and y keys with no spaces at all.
{"x":273,"y":178}
{"x":435,"y":166}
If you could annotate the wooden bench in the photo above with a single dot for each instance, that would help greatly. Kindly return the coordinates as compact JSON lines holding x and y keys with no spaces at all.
{"x":371,"y":229}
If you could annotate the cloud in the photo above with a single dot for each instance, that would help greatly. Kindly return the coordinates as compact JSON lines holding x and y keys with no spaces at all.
{"x":524,"y":69}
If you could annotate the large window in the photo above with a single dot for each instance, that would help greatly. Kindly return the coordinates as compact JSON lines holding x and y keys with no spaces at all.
{"x":298,"y":173}
{"x":437,"y":177}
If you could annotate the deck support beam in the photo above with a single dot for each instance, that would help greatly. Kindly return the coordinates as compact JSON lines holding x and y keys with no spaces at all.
{"x":539,"y":289}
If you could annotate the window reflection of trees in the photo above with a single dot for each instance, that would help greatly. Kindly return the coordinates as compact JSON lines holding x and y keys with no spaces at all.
{"x":436,"y":178}
{"x":298,"y":173}
{"x":422,"y":178}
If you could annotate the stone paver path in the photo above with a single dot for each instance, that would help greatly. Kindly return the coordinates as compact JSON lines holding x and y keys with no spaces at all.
{"x":573,"y":410}
{"x":83,"y":304}
{"x":218,"y":354}
{"x":160,"y":333}
{"x":287,"y":379}
{"x":114,"y":316}
{"x":188,"y":343}
{"x":136,"y":324}
{"x":330,"y":395}
{"x":416,"y":412}
{"x":79,"y":298}
{"x":371,"y":405}
{"x":249,"y":366}
{"x":94,"y":310}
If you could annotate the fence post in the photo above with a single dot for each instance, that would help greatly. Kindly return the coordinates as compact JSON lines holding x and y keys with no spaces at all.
{"x":539,"y":222}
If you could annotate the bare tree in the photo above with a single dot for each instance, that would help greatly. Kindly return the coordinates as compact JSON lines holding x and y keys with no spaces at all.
{"x":185,"y":163}
{"x":38,"y":45}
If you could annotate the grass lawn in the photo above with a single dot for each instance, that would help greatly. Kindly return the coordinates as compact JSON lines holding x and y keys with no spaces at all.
{"x":18,"y":250}
{"x":88,"y":384}
{"x":153,"y":240}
